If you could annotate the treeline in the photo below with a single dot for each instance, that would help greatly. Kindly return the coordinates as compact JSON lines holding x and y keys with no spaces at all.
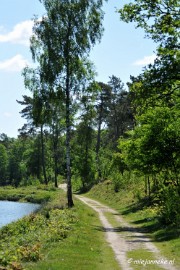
{"x":153,"y":146}
{"x":100,"y":116}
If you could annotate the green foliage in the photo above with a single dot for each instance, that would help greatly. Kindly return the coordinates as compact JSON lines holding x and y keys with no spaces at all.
{"x":105,"y":162}
{"x":83,"y":154}
{"x":30,"y":253}
{"x":170,"y":201}
{"x":38,"y":194}
{"x":154,"y":144}
{"x":14,"y":165}
{"x":143,"y":216}
{"x":120,"y":181}
{"x":97,"y":143}
{"x":159,"y":19}
{"x":61,"y":43}
{"x":120,"y":118}
{"x":3,"y":164}
{"x":83,"y":244}
{"x":152,"y":148}
{"x":56,"y":238}
{"x":27,"y":234}
{"x":24,"y":240}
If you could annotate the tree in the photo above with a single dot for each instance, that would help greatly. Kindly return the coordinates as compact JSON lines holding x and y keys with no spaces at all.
{"x":159,"y":18}
{"x":3,"y":164}
{"x":57,"y":128}
{"x":83,"y":141}
{"x":32,"y":157}
{"x":61,"y":44}
{"x":45,"y":110}
{"x":155,"y":92}
{"x":15,"y":155}
{"x":102,"y":109}
{"x":120,"y":117}
{"x":153,"y":147}
{"x":36,"y":110}
{"x":5,"y":140}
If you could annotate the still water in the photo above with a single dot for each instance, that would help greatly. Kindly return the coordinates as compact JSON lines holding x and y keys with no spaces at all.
{"x":11,"y":211}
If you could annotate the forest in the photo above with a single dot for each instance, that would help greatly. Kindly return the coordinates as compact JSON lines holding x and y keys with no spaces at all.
{"x":85,"y":131}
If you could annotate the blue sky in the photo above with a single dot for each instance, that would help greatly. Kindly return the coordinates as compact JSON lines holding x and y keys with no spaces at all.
{"x":123,"y":51}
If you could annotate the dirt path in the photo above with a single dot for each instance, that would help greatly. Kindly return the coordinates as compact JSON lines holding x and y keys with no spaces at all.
{"x":125,"y":239}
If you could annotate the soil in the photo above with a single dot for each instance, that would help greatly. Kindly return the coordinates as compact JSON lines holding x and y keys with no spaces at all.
{"x":125,"y":238}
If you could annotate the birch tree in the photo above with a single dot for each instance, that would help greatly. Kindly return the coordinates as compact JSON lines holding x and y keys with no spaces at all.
{"x":61,"y":44}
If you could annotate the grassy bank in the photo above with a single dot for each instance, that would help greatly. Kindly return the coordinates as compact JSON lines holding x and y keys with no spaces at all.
{"x":33,"y":194}
{"x":140,"y":215}
{"x":84,"y":248}
{"x":55,"y":237}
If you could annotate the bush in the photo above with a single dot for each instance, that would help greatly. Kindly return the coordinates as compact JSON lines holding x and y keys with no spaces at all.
{"x":23,"y":240}
{"x":170,"y":202}
{"x":119,"y":180}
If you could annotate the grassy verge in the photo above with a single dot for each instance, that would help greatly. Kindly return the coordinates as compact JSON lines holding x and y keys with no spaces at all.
{"x":55,"y":238}
{"x":140,"y":259}
{"x":85,"y":248}
{"x":33,"y":194}
{"x":140,"y":215}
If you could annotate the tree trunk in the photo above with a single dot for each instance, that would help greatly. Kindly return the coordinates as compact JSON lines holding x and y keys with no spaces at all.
{"x":68,"y":160}
{"x":55,"y":161}
{"x":39,"y":160}
{"x":99,"y":144}
{"x":43,"y":157}
{"x":146,"y":187}
{"x":149,"y":186}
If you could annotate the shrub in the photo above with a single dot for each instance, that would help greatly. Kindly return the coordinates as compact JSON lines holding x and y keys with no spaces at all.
{"x":23,"y":241}
{"x":170,"y":202}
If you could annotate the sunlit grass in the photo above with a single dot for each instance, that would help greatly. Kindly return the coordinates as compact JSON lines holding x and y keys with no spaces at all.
{"x":139,"y":215}
{"x":55,"y":237}
{"x":34,"y":194}
{"x":142,"y":259}
{"x":85,"y":247}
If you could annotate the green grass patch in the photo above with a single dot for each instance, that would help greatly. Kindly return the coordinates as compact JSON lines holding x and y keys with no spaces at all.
{"x":142,"y":259}
{"x":139,"y":214}
{"x":85,"y":247}
{"x":54,"y":237}
{"x":33,"y":194}
{"x":24,"y":239}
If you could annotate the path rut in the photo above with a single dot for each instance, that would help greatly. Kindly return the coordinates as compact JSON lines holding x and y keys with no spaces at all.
{"x":122,"y":242}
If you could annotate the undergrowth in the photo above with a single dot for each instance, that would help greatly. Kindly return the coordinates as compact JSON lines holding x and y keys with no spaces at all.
{"x":23,"y":240}
{"x":55,"y":238}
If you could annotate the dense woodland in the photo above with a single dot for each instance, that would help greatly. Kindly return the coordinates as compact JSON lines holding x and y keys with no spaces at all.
{"x":86,"y":131}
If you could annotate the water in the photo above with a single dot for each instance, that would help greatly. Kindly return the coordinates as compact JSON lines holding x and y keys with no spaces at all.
{"x":12,"y":211}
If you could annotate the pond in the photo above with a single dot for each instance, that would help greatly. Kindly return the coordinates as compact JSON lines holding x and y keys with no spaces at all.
{"x":12,"y":211}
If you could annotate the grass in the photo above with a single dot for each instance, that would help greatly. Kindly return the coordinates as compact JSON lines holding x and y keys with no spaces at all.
{"x":139,"y":214}
{"x":140,"y":259}
{"x":84,"y":249}
{"x":33,"y":194}
{"x":55,"y":237}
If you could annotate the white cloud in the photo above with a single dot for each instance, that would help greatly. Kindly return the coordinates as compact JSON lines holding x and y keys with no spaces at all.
{"x":145,"y":61}
{"x":14,"y":64}
{"x":20,"y":33}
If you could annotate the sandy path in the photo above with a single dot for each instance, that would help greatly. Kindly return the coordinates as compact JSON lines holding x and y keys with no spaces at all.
{"x":126,"y":238}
